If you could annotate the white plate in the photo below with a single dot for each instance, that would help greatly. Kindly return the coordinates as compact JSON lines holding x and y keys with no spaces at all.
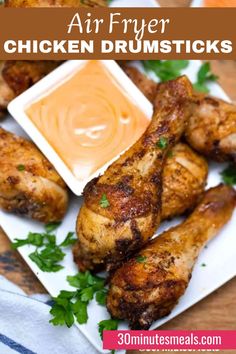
{"x":219,"y":257}
{"x":197,"y":3}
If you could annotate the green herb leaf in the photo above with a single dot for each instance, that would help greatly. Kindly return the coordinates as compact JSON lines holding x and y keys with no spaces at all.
{"x":32,"y":239}
{"x":203,"y":265}
{"x":75,"y":303}
{"x":162,"y":143}
{"x":58,"y":314}
{"x":79,"y":280}
{"x":50,"y":227}
{"x":51,"y":239}
{"x":48,"y":254}
{"x":62,"y":310}
{"x":170,"y":154}
{"x":166,"y":70}
{"x":107,"y":325}
{"x":69,"y":240}
{"x":19,"y":243}
{"x":201,"y":87}
{"x":47,"y":260}
{"x":87,"y":294}
{"x":229,"y":175}
{"x":104,"y":202}
{"x":80,"y":311}
{"x":20,"y":168}
{"x":65,"y":294}
{"x":84,"y":280}
{"x":204,"y":76}
{"x":101,"y":296}
{"x":141,"y":259}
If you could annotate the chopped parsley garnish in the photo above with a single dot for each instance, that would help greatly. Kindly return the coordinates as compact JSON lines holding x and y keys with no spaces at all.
{"x":170,"y":154}
{"x":101,"y":296}
{"x":204,"y":76}
{"x":229,"y":175}
{"x":166,"y":70}
{"x":104,"y":202}
{"x":203,"y":265}
{"x":52,"y":226}
{"x":141,"y":259}
{"x":162,"y":143}
{"x":72,"y":305}
{"x":69,"y":240}
{"x":20,"y":168}
{"x":47,"y":259}
{"x":107,"y":325}
{"x":47,"y":254}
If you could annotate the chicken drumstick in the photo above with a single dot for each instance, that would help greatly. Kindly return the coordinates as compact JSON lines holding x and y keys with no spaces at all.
{"x":149,"y":285}
{"x":122,"y":208}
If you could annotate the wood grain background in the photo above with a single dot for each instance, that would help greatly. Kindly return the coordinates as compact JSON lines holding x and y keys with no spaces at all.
{"x":217,"y":311}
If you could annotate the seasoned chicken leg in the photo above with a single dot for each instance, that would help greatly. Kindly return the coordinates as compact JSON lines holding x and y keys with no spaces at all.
{"x":149,"y":285}
{"x":55,"y":3}
{"x":122,"y":208}
{"x":18,"y":76}
{"x":184,"y":180}
{"x":212,"y":128}
{"x":29,"y":185}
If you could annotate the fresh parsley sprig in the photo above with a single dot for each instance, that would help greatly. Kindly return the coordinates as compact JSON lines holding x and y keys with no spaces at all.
{"x":204,"y":76}
{"x":47,"y":254}
{"x":107,"y":325}
{"x":171,"y":69}
{"x":52,"y":226}
{"x":165,"y":70}
{"x":72,"y":305}
{"x":229,"y":175}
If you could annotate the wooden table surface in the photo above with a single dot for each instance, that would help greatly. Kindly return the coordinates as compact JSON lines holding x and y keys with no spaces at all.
{"x":217,"y":311}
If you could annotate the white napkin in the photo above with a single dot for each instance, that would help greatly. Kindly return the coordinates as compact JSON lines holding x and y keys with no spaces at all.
{"x":24,"y":326}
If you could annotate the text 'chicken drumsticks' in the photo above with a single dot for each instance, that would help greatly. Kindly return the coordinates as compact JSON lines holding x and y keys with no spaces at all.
{"x":149,"y":285}
{"x":29,"y":184}
{"x":122,"y":208}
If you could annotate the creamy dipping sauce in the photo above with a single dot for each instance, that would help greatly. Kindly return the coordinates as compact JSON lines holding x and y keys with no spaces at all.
{"x":88,"y":119}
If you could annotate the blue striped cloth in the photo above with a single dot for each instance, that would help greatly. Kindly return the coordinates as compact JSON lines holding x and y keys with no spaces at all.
{"x":24,"y":326}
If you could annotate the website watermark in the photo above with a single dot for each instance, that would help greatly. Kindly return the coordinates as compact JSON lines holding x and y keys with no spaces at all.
{"x":175,"y":341}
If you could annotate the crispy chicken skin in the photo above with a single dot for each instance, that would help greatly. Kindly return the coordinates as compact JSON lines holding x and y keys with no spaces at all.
{"x":29,"y":185}
{"x":55,"y":3}
{"x":132,"y":186}
{"x":18,"y":76}
{"x":184,"y":180}
{"x":149,"y":285}
{"x":147,"y":86}
{"x":212,"y":128}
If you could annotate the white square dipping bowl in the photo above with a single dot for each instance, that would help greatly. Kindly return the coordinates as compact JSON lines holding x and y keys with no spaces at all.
{"x":18,"y":106}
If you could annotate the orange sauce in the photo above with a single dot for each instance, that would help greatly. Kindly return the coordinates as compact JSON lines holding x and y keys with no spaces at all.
{"x":88,"y":119}
{"x":219,"y":3}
